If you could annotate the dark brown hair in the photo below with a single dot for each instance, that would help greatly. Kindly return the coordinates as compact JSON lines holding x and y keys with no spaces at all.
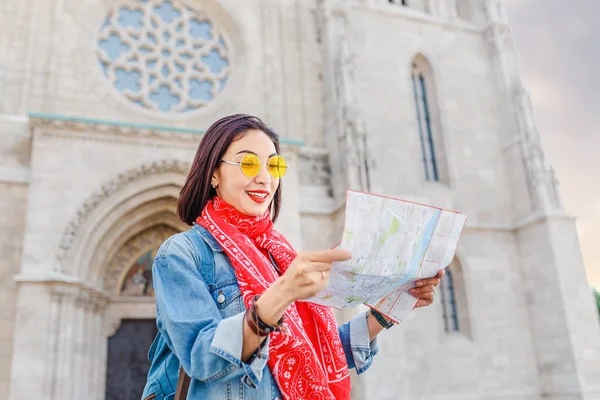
{"x":197,"y":190}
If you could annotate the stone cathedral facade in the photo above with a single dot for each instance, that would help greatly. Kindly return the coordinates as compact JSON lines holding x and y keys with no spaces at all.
{"x":103,"y":103}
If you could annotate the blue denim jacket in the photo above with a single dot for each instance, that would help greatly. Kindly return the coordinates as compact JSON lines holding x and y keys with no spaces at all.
{"x":199,"y":314}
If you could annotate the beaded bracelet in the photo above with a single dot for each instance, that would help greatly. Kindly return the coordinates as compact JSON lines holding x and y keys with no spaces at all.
{"x":258,"y":326}
{"x":380,"y":318}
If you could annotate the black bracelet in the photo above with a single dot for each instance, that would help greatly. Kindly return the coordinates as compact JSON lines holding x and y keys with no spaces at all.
{"x":258,"y":326}
{"x":381,"y":319}
{"x":262,"y":326}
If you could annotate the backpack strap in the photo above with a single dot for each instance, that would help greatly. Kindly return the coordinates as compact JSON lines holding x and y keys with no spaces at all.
{"x":183,"y":385}
{"x":183,"y":382}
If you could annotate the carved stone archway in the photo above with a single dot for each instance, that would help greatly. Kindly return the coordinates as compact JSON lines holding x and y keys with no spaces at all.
{"x":112,"y":189}
{"x":125,"y":216}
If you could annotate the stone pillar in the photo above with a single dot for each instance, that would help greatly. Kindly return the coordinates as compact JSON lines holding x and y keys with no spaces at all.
{"x":79,"y":309}
{"x":83,"y":349}
{"x":99,"y":352}
{"x":524,"y":151}
{"x":345,"y":134}
{"x":563,"y":315}
{"x":32,"y":346}
{"x":346,"y":138}
{"x":97,"y":374}
{"x":288,"y":222}
{"x":62,"y":362}
{"x":565,"y":331}
{"x":91,"y":341}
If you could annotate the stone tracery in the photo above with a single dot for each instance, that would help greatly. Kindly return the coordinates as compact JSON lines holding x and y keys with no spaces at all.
{"x":163,"y":55}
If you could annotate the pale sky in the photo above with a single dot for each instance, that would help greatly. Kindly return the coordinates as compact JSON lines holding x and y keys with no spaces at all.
{"x":559,"y":57}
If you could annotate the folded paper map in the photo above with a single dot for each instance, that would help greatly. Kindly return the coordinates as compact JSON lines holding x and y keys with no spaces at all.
{"x":393,"y":243}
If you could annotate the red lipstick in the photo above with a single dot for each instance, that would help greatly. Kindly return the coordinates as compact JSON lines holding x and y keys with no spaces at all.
{"x":258,"y":196}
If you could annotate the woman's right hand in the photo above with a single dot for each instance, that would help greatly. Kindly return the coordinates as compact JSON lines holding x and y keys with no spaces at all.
{"x":308,"y":274}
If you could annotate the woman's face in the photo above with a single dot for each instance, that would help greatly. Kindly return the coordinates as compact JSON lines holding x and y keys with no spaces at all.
{"x":250,"y":196}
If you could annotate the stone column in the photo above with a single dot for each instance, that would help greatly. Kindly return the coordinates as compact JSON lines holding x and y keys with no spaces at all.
{"x":564,"y":324}
{"x":91,"y":340}
{"x":288,"y":222}
{"x":76,"y":333}
{"x":100,"y":356}
{"x":95,"y":377}
{"x":345,"y":132}
{"x":63,"y":370}
{"x":346,"y":137}
{"x":524,"y":151}
{"x":33,"y":342}
{"x":57,"y":344}
{"x":565,"y":329}
{"x":83,"y":349}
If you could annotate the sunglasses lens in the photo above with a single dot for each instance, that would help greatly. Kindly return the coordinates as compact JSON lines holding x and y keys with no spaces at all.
{"x":250,"y":165}
{"x":277,"y":166}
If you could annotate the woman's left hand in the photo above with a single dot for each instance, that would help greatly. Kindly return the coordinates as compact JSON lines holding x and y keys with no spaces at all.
{"x":424,"y":290}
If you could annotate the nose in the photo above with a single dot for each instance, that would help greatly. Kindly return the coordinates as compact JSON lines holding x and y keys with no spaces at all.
{"x":263,"y":176}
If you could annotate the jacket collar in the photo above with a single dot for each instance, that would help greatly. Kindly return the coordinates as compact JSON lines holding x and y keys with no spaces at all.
{"x":208,"y":238}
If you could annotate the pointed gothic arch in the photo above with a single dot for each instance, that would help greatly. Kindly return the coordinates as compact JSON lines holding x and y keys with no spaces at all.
{"x":429,"y":127}
{"x":453,"y":300}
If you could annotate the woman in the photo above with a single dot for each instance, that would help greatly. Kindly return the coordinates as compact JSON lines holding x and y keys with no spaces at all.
{"x":227,"y":290}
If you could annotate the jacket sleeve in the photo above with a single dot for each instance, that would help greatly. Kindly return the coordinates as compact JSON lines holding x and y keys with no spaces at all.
{"x":358,"y":348}
{"x":208,"y":346}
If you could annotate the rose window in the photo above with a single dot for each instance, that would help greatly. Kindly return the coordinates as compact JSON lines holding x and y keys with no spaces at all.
{"x":163,"y":55}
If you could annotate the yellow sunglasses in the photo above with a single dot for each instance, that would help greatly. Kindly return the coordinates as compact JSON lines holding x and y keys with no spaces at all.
{"x":250,"y":165}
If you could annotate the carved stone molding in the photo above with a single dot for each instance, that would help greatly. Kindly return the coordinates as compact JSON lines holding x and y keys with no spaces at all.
{"x":92,"y":301}
{"x":79,"y":128}
{"x":110,"y":188}
{"x":315,"y":167}
{"x":75,"y":128}
{"x":134,"y":248}
{"x":63,"y":290}
{"x":82,"y":296}
{"x":541,"y":181}
{"x":351,"y":165}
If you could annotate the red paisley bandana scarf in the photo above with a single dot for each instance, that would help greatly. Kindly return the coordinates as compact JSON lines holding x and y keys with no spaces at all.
{"x":308,"y":362}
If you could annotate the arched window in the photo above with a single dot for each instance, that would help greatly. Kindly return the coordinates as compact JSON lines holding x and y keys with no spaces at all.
{"x":448,"y":299}
{"x":428,"y":124}
{"x":453,"y":300}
